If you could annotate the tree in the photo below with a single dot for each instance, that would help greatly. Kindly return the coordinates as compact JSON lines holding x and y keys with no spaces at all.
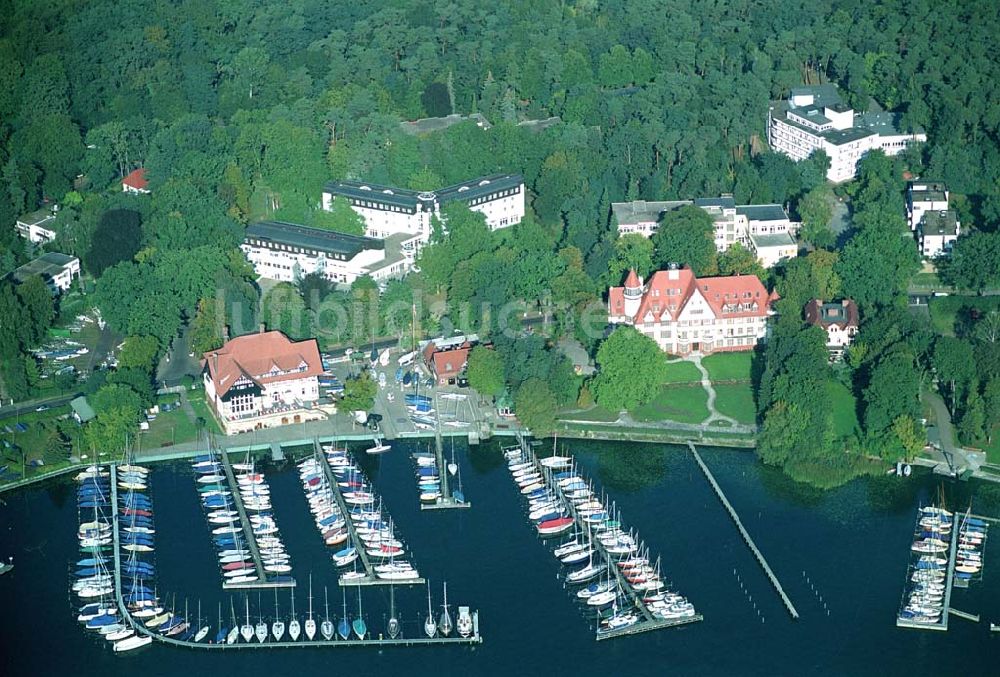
{"x":876,"y":266}
{"x":485,"y":371}
{"x":116,"y":238}
{"x":686,"y":236}
{"x":341,"y":218}
{"x":911,"y":436}
{"x":738,"y":260}
{"x":139,"y":352}
{"x":815,"y":211}
{"x":436,"y":101}
{"x":631,"y":369}
{"x":39,"y":309}
{"x":632,"y":252}
{"x":972,"y":425}
{"x":953,"y":361}
{"x":974,"y":262}
{"x":206,"y":327}
{"x":892,"y":391}
{"x":785,"y":433}
{"x":536,"y":406}
{"x":359,"y":393}
{"x":987,"y":328}
{"x":284,"y":310}
{"x":991,"y":404}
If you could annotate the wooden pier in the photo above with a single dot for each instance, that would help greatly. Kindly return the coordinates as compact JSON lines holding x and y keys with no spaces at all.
{"x":371,"y":578}
{"x":251,"y":540}
{"x":942,"y":625}
{"x":743,"y":532}
{"x":446,"y":500}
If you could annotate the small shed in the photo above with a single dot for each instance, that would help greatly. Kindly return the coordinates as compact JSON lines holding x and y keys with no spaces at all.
{"x":82,"y":411}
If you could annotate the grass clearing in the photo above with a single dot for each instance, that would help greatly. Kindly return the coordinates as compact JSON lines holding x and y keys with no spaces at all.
{"x":728,"y":366}
{"x":681,"y":371}
{"x":845,"y":416}
{"x":945,"y":310}
{"x":683,"y":405}
{"x":172,"y":427}
{"x":197,"y":401}
{"x":597,"y":413}
{"x":736,"y":401}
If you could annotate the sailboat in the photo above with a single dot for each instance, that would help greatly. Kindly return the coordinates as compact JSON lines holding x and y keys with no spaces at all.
{"x":278,"y":626}
{"x":360,"y":629}
{"x":234,"y":633}
{"x":326,"y":627}
{"x":261,"y":629}
{"x":293,"y":626}
{"x":430,"y":627}
{"x":452,"y":466}
{"x":247,"y":630}
{"x":392,"y":628}
{"x":310,"y":622}
{"x":220,"y":636}
{"x":378,"y":447}
{"x":200,"y":635}
{"x":344,"y":626}
{"x":444,"y":623}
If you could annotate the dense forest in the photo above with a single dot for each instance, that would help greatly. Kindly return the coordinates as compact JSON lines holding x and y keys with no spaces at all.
{"x":241,"y":110}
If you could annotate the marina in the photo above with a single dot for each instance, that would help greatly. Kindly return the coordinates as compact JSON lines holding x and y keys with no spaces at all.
{"x":929,"y":575}
{"x":434,"y":478}
{"x":356,"y":519}
{"x":630,"y":596}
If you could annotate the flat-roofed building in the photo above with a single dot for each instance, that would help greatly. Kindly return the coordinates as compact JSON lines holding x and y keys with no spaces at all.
{"x":287,"y":252}
{"x":38,"y":226}
{"x":815,"y":118}
{"x":937,"y":232}
{"x":58,"y":270}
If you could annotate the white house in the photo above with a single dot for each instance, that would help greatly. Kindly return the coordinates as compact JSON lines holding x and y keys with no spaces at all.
{"x":263,"y":380}
{"x":765,"y":230}
{"x":389,"y":211}
{"x":39,"y":226}
{"x":685,"y":314}
{"x":286,"y":252}
{"x":58,"y":270}
{"x":840,"y":321}
{"x":937,"y":232}
{"x":815,"y":118}
{"x":923,"y":197}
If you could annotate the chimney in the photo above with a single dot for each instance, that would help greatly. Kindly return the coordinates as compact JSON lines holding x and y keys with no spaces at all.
{"x":260,"y":328}
{"x":225,"y":333}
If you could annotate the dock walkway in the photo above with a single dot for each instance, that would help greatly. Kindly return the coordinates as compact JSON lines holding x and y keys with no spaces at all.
{"x":743,"y":532}
{"x":251,"y":540}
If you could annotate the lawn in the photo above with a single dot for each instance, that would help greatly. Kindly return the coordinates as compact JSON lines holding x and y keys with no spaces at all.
{"x":29,"y":441}
{"x":728,"y":366}
{"x":197,"y":400}
{"x":736,"y":401}
{"x":172,"y":427}
{"x":944,"y":310}
{"x":845,"y":417}
{"x":598,"y":413}
{"x":993,"y":450}
{"x":681,"y":371}
{"x":926,"y":281}
{"x":683,"y":405}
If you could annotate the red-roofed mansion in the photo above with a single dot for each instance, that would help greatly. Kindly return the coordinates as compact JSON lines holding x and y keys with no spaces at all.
{"x":685,"y":314}
{"x":263,"y":380}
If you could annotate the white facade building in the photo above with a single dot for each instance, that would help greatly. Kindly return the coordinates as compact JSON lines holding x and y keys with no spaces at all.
{"x":937,"y":233}
{"x":839,"y":319}
{"x":389,"y":211}
{"x":287,"y":252}
{"x":765,"y":230}
{"x":815,"y":118}
{"x":923,"y":197}
{"x":263,"y":380}
{"x":685,"y":315}
{"x":38,"y":227}
{"x":58,"y":270}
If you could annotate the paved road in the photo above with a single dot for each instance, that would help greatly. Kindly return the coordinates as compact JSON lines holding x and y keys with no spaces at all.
{"x":31,"y":405}
{"x":958,"y":459}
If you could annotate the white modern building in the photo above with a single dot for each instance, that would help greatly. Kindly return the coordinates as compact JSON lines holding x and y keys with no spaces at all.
{"x":937,"y":232}
{"x":839,"y":319}
{"x":685,"y":314}
{"x":263,"y":380}
{"x":38,"y":226}
{"x":58,"y":270}
{"x":923,"y":197}
{"x":815,"y":118}
{"x":765,"y":230}
{"x":389,"y":211}
{"x":287,"y":252}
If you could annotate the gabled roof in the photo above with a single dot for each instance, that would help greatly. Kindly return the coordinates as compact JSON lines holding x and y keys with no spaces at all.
{"x":136,"y":179}
{"x":265,"y":357}
{"x":842,"y":314}
{"x":668,"y":292}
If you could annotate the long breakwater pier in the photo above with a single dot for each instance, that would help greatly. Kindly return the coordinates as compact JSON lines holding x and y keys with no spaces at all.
{"x":370,"y":577}
{"x":743,"y":532}
{"x":251,"y":539}
{"x":378,"y":641}
{"x":648,"y":621}
{"x":447,"y":498}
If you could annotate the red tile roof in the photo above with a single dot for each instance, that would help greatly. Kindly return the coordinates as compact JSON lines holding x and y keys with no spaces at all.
{"x":136,"y":179}
{"x":665,"y":298}
{"x":843,"y":314}
{"x":261,"y":358}
{"x":447,"y":363}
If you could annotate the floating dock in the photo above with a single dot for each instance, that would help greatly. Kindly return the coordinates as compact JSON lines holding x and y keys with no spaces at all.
{"x":370,"y":577}
{"x":743,"y":532}
{"x":648,"y":621}
{"x":942,"y":625}
{"x":447,"y":499}
{"x":380,"y":641}
{"x":251,"y":540}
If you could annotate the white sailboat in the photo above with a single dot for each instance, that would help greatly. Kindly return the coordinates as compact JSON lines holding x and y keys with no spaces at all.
{"x":444,"y":623}
{"x":392,"y":627}
{"x":234,"y":633}
{"x":293,"y":625}
{"x":326,"y":627}
{"x":430,"y":627}
{"x":200,"y":635}
{"x":278,"y":626}
{"x":310,"y":625}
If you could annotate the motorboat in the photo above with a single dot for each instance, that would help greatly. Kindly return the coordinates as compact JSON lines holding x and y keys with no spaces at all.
{"x":464,"y":624}
{"x":132,"y":643}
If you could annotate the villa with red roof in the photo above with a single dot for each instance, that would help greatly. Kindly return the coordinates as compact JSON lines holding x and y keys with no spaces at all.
{"x":136,"y":182}
{"x":685,"y":314}
{"x":263,"y":380}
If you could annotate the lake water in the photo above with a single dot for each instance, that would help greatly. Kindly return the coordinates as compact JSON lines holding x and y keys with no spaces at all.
{"x":841,"y":556}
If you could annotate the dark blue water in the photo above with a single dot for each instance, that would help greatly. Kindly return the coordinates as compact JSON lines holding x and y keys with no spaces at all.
{"x":846,"y":549}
